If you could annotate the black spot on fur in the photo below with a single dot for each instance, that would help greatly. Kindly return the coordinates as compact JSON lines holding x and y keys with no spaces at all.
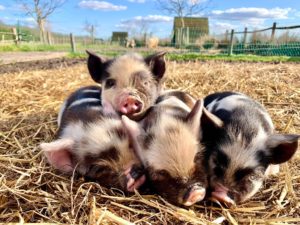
{"x":137,"y":171}
{"x":148,"y":140}
{"x":217,"y":96}
{"x":81,"y":94}
{"x":120,"y":133}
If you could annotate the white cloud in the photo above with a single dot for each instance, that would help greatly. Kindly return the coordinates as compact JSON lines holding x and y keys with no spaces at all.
{"x":221,"y":27}
{"x":142,"y":20}
{"x":2,"y":7}
{"x":137,"y":1}
{"x":251,"y":16}
{"x":101,"y":5}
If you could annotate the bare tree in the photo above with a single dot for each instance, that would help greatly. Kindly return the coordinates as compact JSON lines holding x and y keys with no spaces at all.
{"x":182,"y":8}
{"x":40,"y":10}
{"x":90,"y":28}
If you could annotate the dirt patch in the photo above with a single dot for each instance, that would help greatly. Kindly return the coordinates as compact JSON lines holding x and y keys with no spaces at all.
{"x":39,"y":65}
{"x":14,"y":57}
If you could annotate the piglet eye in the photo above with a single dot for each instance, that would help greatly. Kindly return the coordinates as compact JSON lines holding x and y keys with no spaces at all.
{"x":146,"y":83}
{"x":109,"y":83}
{"x":252,"y":177}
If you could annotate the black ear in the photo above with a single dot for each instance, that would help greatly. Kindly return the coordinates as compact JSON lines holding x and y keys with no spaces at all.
{"x":96,"y":65}
{"x":157,"y":64}
{"x":210,"y":125}
{"x":282,"y":147}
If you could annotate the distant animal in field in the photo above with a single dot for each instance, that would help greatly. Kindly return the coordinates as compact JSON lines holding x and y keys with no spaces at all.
{"x":152,"y":42}
{"x":130,"y":43}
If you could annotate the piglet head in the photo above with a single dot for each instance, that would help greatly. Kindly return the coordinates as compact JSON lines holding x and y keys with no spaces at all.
{"x":237,"y":177}
{"x":130,"y":83}
{"x":172,"y":156}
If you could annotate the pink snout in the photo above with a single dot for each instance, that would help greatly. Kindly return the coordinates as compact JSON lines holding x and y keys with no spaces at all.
{"x":221,"y":194}
{"x":195,"y":195}
{"x":130,"y":106}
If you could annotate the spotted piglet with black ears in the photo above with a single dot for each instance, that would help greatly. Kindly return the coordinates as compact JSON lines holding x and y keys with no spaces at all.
{"x":244,"y":150}
{"x":168,"y":143}
{"x":130,"y":83}
{"x":93,"y":142}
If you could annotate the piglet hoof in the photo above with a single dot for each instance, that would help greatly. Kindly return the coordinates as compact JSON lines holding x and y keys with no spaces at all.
{"x":135,"y":178}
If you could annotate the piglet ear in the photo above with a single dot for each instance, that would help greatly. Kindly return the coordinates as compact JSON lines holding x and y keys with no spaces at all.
{"x":58,"y":154}
{"x":135,"y":132}
{"x":210,"y":124}
{"x":282,"y":147}
{"x":157,"y":64}
{"x":194,"y":117}
{"x":96,"y":65}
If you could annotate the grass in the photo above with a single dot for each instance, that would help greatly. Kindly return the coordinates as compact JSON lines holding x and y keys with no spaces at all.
{"x":194,"y":56}
{"x":238,"y":58}
{"x":114,"y":50}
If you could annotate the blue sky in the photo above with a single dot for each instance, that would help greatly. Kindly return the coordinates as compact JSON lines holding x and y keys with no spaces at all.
{"x":137,"y":15}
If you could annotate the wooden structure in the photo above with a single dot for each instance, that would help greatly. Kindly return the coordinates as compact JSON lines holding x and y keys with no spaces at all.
{"x":186,"y":30}
{"x":119,"y":37}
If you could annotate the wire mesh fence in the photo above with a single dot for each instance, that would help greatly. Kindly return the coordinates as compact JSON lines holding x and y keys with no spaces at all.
{"x":271,"y":41}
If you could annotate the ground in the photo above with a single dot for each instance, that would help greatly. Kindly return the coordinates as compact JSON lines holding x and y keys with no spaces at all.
{"x":12,"y":57}
{"x":31,"y":191}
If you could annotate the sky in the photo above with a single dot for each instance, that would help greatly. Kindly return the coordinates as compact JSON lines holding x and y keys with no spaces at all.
{"x":138,"y":15}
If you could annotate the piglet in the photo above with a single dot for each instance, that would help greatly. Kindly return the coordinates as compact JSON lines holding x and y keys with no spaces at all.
{"x":168,"y":143}
{"x":130,"y":83}
{"x":93,"y":142}
{"x":242,"y":152}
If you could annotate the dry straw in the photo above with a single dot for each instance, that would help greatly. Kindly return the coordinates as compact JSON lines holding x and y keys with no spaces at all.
{"x":31,"y":191}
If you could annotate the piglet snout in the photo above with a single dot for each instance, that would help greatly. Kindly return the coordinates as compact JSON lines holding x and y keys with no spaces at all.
{"x":130,"y":106}
{"x":194,"y":195}
{"x":221,"y":194}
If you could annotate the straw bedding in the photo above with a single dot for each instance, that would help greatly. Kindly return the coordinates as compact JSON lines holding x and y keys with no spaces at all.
{"x":31,"y":191}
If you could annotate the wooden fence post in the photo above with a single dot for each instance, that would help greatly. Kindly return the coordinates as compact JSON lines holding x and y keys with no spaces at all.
{"x":273,"y":32}
{"x":245,"y":36}
{"x":231,"y":43}
{"x":226,"y":36}
{"x":3,"y":38}
{"x":73,"y":47}
{"x":15,"y":35}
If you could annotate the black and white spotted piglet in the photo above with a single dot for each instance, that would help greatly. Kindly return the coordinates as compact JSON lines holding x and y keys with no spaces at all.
{"x":168,"y":143}
{"x":245,"y":149}
{"x":92,"y":141}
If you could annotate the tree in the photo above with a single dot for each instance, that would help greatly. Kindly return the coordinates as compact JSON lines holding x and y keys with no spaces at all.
{"x":90,"y":28}
{"x":182,"y":8}
{"x":40,"y":10}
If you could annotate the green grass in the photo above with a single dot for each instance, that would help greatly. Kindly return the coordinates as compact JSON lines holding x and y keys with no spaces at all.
{"x":238,"y":58}
{"x":111,"y":51}
{"x":195,"y":56}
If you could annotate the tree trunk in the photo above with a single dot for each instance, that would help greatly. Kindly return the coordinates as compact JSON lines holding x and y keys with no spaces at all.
{"x":42,"y":30}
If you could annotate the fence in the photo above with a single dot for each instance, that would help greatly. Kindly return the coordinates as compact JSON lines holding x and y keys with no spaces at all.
{"x":267,"y":42}
{"x":270,"y":41}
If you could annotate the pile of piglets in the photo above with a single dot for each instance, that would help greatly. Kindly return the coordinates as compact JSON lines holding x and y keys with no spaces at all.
{"x":129,"y":133}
